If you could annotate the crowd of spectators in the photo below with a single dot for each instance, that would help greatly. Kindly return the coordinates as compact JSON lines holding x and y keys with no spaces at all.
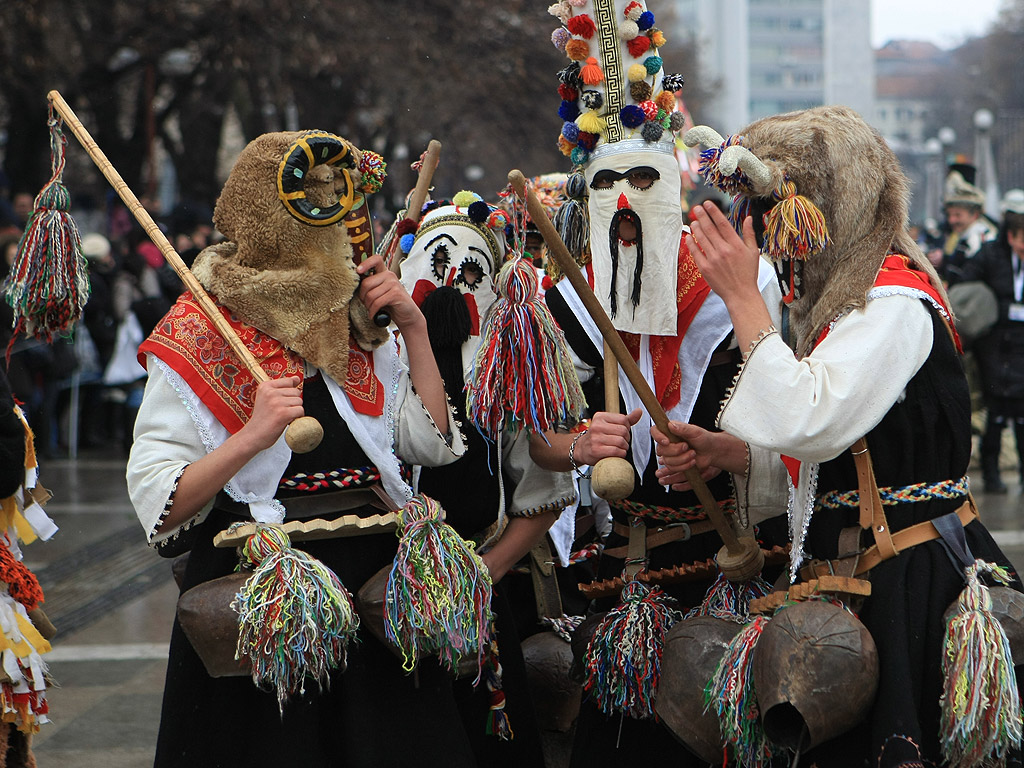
{"x":83,"y":391}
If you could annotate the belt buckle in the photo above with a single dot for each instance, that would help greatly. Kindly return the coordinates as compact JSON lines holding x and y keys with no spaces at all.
{"x":682,"y":524}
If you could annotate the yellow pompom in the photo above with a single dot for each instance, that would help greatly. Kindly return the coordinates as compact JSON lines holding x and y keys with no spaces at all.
{"x":657,"y":38}
{"x":565,"y":146}
{"x":636,"y":73}
{"x":465,"y":198}
{"x":591,"y":122}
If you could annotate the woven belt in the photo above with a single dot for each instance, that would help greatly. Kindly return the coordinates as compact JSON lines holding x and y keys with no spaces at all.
{"x":903,"y":539}
{"x":660,"y":535}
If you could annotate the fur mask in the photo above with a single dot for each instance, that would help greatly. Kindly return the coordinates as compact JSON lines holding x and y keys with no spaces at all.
{"x":833,"y":176}
{"x":287,"y":267}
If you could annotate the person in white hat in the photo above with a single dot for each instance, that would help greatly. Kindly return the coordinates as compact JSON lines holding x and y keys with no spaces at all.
{"x":968,"y":226}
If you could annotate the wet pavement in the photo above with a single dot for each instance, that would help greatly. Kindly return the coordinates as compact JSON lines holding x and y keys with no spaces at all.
{"x":112,"y":600}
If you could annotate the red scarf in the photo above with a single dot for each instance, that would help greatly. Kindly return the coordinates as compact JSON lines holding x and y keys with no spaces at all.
{"x":188,"y":342}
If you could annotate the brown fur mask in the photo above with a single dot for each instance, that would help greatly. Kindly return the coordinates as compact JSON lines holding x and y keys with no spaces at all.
{"x":845,"y":169}
{"x":289,"y":279}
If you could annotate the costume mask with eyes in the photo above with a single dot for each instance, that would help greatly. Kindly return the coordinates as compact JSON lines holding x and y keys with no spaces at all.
{"x":457,"y":250}
{"x":619,"y":111}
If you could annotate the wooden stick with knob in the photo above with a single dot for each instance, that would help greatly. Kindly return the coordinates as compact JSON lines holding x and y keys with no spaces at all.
{"x":612,"y":478}
{"x":741,"y":558}
{"x":419,"y":192}
{"x":303,"y":434}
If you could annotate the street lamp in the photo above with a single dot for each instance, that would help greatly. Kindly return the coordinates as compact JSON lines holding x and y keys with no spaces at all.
{"x":933,"y":179}
{"x":986,"y":161}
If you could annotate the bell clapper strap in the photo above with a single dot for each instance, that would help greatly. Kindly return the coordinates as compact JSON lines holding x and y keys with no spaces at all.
{"x":636,"y":555}
{"x":872,"y":514}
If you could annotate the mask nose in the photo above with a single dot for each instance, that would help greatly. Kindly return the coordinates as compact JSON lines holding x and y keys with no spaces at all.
{"x":449,"y":279}
{"x":623,"y":202}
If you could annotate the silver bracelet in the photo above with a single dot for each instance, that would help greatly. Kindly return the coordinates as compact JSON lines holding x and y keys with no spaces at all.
{"x":572,"y":458}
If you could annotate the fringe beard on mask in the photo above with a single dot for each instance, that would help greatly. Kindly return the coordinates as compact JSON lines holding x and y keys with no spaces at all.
{"x":627,"y":215}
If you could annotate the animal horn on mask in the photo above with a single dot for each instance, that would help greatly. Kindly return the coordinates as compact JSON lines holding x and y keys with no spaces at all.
{"x":311,"y":150}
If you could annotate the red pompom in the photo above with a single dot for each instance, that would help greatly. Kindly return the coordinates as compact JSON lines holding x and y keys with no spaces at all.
{"x":406,"y":227}
{"x":582,"y":25}
{"x":638,"y":45}
{"x":568,"y":93}
{"x":650,"y":109}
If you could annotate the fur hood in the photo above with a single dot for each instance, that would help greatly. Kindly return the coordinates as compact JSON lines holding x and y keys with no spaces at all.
{"x":852,"y":181}
{"x":291,"y":280}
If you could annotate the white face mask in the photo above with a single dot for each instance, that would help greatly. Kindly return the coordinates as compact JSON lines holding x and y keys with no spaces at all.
{"x":450,"y":250}
{"x":636,"y":192}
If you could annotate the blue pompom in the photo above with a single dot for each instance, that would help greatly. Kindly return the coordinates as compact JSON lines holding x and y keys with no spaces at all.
{"x":406,"y":242}
{"x":569,"y":111}
{"x":652,"y":64}
{"x":646,"y":20}
{"x":571,"y":131}
{"x":631,"y":116}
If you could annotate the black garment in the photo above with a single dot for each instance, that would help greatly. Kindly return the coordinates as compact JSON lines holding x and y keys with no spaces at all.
{"x":12,"y":442}
{"x":603,"y":740}
{"x":373,"y":714}
{"x":925,"y":437}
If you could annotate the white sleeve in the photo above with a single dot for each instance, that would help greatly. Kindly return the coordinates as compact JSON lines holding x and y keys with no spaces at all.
{"x":815,"y":408}
{"x":417,"y":438}
{"x":166,"y":441}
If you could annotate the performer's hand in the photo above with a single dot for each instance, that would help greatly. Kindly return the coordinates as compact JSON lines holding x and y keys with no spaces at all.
{"x":694,"y":451}
{"x":608,"y":436}
{"x":380,"y":289}
{"x":278,"y":404}
{"x":729,"y":263}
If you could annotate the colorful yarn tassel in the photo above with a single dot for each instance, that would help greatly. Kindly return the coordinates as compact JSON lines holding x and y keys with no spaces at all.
{"x":795,"y":227}
{"x":731,"y":693}
{"x":498,"y":723}
{"x":623,"y":658}
{"x":708,"y":168}
{"x":573,"y":222}
{"x":295,"y":617}
{"x":438,"y":594}
{"x":729,"y":601}
{"x":49,"y":284}
{"x":523,"y":377}
{"x":981,"y":717}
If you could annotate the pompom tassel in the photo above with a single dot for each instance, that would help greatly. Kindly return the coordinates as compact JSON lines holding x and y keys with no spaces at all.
{"x":523,"y":376}
{"x":438,"y":593}
{"x":498,"y":723}
{"x":795,"y":227}
{"x":573,"y":225}
{"x":623,"y":660}
{"x":731,"y":693}
{"x":981,"y":717}
{"x":731,"y":601}
{"x":49,"y":283}
{"x":295,"y":617}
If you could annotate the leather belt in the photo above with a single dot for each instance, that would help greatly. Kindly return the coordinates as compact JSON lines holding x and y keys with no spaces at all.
{"x":659,"y":535}
{"x":314,"y":504}
{"x":903,"y":539}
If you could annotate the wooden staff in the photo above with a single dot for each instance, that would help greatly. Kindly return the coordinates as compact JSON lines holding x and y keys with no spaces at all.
{"x":303,"y":434}
{"x":612,"y":477}
{"x":419,"y":192}
{"x":740,"y":559}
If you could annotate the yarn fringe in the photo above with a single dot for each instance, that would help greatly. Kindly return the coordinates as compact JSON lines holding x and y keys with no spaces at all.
{"x":729,"y":601}
{"x":623,"y":660}
{"x":731,"y":693}
{"x":49,"y":284}
{"x":523,"y":376}
{"x":295,"y":617}
{"x":438,"y":593}
{"x":498,"y":723}
{"x":795,"y":227}
{"x":981,"y":717}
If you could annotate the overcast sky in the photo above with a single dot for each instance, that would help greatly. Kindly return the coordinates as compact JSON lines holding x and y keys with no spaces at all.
{"x":947,"y":23}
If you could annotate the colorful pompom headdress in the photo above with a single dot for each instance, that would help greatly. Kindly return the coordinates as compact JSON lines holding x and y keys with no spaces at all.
{"x":619,"y":115}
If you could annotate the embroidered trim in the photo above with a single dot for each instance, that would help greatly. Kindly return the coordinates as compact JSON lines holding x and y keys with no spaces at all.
{"x":797,"y":553}
{"x":881,"y":291}
{"x":944,"y":489}
{"x":764,"y":334}
{"x":167,"y":510}
{"x":668,"y":514}
{"x":552,"y":506}
{"x":355,"y":477}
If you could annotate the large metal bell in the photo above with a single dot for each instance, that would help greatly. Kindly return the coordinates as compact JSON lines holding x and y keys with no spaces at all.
{"x":693,"y":648}
{"x":211,"y":624}
{"x":556,"y":696}
{"x":815,"y":674}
